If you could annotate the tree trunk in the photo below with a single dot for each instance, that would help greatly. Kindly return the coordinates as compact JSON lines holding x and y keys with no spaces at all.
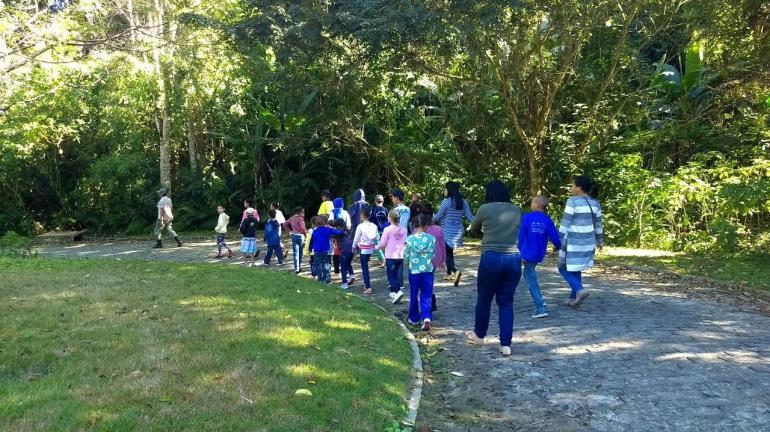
{"x":534,"y":157}
{"x":192,"y":151}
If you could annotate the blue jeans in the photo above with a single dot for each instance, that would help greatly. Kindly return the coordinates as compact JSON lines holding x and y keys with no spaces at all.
{"x":346,"y":265}
{"x":420,"y":296}
{"x":499,"y":274}
{"x":395,"y":270}
{"x":574,"y":279}
{"x":530,"y":273}
{"x":322,"y":267}
{"x":365,"y":270}
{"x":278,"y":253}
{"x":297,"y":245}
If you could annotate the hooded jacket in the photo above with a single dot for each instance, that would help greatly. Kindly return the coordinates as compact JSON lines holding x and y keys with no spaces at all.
{"x":272,"y":233}
{"x":249,"y":227}
{"x":339,"y":212}
{"x":419,"y":252}
{"x":392,"y":242}
{"x":359,"y":203}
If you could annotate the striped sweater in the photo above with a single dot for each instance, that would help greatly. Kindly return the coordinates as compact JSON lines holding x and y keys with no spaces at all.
{"x":451,"y":221}
{"x":580,"y":232}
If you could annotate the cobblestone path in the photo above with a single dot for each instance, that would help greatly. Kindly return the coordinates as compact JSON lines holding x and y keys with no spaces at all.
{"x":632,"y":358}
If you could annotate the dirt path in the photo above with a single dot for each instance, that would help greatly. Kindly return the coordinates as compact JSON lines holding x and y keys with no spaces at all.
{"x":634,"y":357}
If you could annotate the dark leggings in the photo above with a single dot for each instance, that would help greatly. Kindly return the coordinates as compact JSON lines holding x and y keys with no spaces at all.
{"x":336,"y":263}
{"x":450,"y":260}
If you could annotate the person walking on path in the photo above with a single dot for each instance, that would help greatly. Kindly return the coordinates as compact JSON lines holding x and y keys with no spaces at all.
{"x":165,"y":218}
{"x":364,"y":240}
{"x":419,"y":250}
{"x":450,"y":215}
{"x":397,"y":197}
{"x":439,"y":255}
{"x":416,"y":207}
{"x":380,"y":218}
{"x":499,"y":266}
{"x":392,"y":242}
{"x":248,"y":203}
{"x":221,"y":229}
{"x":326,"y":203}
{"x":320,"y":243}
{"x":273,"y":239}
{"x":581,"y":232}
{"x":297,"y":230}
{"x":249,"y":246}
{"x":536,"y":229}
{"x":354,"y":211}
{"x":338,"y":213}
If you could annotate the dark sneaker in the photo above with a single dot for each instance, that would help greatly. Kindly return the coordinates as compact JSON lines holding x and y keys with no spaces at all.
{"x":540,"y":313}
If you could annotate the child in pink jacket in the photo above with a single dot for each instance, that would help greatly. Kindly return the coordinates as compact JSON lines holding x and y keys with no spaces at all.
{"x":393,"y":242}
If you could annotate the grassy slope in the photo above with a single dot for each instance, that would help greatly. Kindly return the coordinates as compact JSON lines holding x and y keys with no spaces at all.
{"x":752,"y":271}
{"x":110,"y":345}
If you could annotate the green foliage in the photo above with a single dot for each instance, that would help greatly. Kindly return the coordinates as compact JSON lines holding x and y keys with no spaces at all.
{"x":665,"y":102}
{"x":14,"y":245}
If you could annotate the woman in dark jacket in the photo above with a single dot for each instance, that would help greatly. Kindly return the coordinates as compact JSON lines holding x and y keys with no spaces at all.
{"x":500,"y":263}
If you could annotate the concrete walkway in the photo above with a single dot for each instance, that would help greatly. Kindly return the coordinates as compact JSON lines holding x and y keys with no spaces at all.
{"x":632,"y":358}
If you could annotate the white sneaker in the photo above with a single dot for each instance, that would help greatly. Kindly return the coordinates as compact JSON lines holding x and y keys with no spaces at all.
{"x":344,"y":286}
{"x":397,"y":297}
{"x":506,"y":350}
{"x":391,"y":295}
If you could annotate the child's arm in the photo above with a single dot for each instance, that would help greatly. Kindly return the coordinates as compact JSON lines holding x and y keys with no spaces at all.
{"x":220,"y":221}
{"x":553,"y":235}
{"x":383,"y":240}
{"x":357,"y":236}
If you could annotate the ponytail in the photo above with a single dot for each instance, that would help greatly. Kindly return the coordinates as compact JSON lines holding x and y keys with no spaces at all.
{"x":587,"y":184}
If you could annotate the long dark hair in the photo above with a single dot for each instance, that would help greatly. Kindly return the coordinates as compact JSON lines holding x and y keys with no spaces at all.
{"x":587,"y":184}
{"x":453,"y":192}
{"x":497,"y":192}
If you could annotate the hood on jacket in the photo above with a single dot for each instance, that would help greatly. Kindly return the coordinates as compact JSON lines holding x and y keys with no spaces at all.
{"x":359,"y":195}
{"x":339,"y":203}
{"x":421,"y":244}
{"x":398,"y":232}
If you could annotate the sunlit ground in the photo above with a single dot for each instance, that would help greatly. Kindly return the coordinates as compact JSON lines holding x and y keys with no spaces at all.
{"x":110,"y":345}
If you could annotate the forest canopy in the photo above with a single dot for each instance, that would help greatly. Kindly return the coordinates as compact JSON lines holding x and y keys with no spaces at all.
{"x":665,"y":102}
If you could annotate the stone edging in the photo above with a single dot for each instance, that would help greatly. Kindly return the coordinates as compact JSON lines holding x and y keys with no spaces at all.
{"x":417,"y":371}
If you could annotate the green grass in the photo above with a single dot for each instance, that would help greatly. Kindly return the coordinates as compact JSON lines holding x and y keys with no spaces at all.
{"x":123,"y":346}
{"x":751,"y":271}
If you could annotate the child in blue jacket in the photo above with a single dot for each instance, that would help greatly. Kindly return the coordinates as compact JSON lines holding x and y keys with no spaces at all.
{"x":535,"y":231}
{"x":273,"y":239}
{"x":320,"y":244}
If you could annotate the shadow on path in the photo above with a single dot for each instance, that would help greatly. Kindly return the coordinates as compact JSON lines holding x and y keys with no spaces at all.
{"x":632,"y":358}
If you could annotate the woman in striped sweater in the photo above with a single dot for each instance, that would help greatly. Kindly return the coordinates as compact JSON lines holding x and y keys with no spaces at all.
{"x":581,"y":233}
{"x":450,"y":215}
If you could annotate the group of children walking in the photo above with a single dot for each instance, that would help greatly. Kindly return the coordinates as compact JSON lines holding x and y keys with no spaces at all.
{"x":397,"y":238}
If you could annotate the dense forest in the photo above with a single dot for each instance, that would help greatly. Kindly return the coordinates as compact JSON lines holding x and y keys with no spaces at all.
{"x":665,"y":102}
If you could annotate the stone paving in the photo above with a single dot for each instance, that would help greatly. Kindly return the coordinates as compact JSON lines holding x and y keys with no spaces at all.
{"x":632,"y":358}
